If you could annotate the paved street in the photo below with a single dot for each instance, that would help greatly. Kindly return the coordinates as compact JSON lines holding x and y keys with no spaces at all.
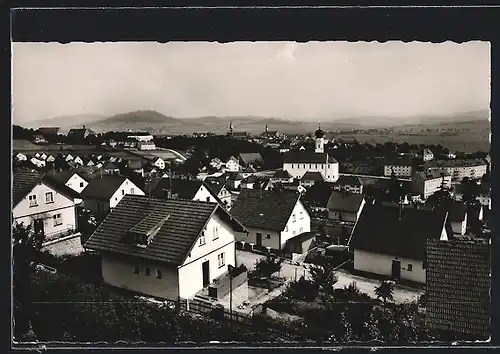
{"x":366,"y":285}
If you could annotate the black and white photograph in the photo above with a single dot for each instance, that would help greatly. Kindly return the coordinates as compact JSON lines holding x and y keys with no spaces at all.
{"x":279,"y":192}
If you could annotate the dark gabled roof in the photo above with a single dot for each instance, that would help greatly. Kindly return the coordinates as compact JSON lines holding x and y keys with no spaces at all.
{"x":319,"y":194}
{"x":428,"y":151}
{"x":379,"y":230}
{"x":269,"y":210}
{"x":215,"y":186}
{"x":110,"y":166}
{"x":457,"y":211}
{"x":250,"y":157}
{"x":48,"y":130}
{"x":172,"y":242}
{"x":349,"y":181}
{"x":312,"y":176}
{"x":249,"y":169}
{"x":80,"y":131}
{"x":62,"y":176}
{"x":251,"y":179}
{"x":183,"y":188}
{"x":458,"y":284}
{"x":22,"y":183}
{"x":304,"y":156}
{"x":134,"y":164}
{"x":103,"y":187}
{"x":25,"y":181}
{"x":282,"y":174}
{"x":233,"y":176}
{"x":341,"y":201}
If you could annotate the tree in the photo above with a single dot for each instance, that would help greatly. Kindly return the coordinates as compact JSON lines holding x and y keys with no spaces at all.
{"x":385,"y":291}
{"x":323,"y":276}
{"x":441,"y":197}
{"x":266,"y":267}
{"x":26,"y":248}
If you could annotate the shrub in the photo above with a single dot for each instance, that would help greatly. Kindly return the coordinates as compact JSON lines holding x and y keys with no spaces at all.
{"x":303,"y":290}
{"x":266,"y":267}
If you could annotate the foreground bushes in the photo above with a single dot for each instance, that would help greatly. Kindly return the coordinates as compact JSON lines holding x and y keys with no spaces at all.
{"x":64,"y":309}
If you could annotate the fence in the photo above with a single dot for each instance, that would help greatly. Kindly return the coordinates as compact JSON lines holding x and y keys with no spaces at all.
{"x":257,"y":320}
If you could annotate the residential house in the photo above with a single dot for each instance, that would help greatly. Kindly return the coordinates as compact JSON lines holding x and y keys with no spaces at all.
{"x":317,"y":196}
{"x":136,"y":166}
{"x":250,"y":159}
{"x":300,"y":244}
{"x":188,"y":189}
{"x":71,"y":179}
{"x":216,"y":163}
{"x":80,"y":134}
{"x":220,"y":190}
{"x":146,"y":145}
{"x":271,"y":217}
{"x":103,"y":193}
{"x":111,"y":169}
{"x":345,"y":207}
{"x":459,"y":168}
{"x":249,"y":182}
{"x":232,"y":164}
{"x":311,"y":177}
{"x":233,"y":180}
{"x":43,"y":156}
{"x":158,"y":162}
{"x":282,"y":176}
{"x":295,"y":186}
{"x":248,"y":171}
{"x":37,"y":162}
{"x":350,"y":184}
{"x":21,"y":157}
{"x":39,"y":139}
{"x":50,"y":158}
{"x":458,"y":218}
{"x":166,"y":248}
{"x":458,"y":286}
{"x":48,"y":133}
{"x":428,"y":182}
{"x":44,"y":203}
{"x":78,"y":160}
{"x":69,"y":158}
{"x":427,"y":155}
{"x":390,"y":240}
{"x":140,"y":136}
{"x":297,"y":163}
{"x":399,"y":167}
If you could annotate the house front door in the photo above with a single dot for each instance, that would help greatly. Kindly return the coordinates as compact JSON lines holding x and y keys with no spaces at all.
{"x":205,"y":269}
{"x":259,"y":239}
{"x":38,"y":226}
{"x":396,"y":269}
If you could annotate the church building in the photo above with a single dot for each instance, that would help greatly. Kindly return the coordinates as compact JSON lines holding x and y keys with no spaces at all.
{"x":297,"y":163}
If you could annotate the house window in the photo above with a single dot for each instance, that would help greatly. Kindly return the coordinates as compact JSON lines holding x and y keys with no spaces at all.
{"x":57,"y":219}
{"x":221,"y":260}
{"x":216,"y":232}
{"x":294,"y":218}
{"x":286,"y":228}
{"x":158,"y":274}
{"x":132,"y":190}
{"x":301,"y":215}
{"x":49,"y":197}
{"x":147,"y":271}
{"x":33,"y":201}
{"x":81,"y":184}
{"x":301,"y":230}
{"x":136,"y":269}
{"x":294,"y":232}
{"x":310,"y":165}
{"x":293,"y":166}
{"x":208,"y":199}
{"x":123,"y":191}
{"x":202,"y":238}
{"x":268,"y":236}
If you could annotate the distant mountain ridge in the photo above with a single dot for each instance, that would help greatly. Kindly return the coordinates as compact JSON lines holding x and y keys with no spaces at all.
{"x":157,"y":122}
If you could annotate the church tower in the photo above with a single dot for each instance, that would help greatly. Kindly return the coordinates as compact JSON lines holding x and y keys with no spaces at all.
{"x":267,"y":130}
{"x":231,"y":128}
{"x":320,"y":141}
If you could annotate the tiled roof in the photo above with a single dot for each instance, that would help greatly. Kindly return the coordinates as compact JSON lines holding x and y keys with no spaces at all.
{"x":319,"y":194}
{"x":62,"y":176}
{"x":249,"y":169}
{"x":458,"y":286}
{"x":215,"y":186}
{"x":305,"y":156}
{"x":340,"y":201}
{"x":103,"y":187}
{"x":172,"y":242}
{"x":60,"y":187}
{"x":251,"y":157}
{"x":22,"y":183}
{"x":455,"y":163}
{"x":48,"y":130}
{"x":183,"y":188}
{"x":349,"y":181}
{"x":403,"y":161}
{"x":432,"y":174}
{"x":268,"y":210}
{"x":312,"y":176}
{"x":110,"y":166}
{"x":379,"y":230}
{"x":282,"y":174}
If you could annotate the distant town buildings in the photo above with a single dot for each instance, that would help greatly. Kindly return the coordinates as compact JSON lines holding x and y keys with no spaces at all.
{"x":459,"y":168}
{"x":426,"y":183}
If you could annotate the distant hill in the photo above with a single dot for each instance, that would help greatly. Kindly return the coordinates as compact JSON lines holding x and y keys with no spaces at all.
{"x":158,"y":123}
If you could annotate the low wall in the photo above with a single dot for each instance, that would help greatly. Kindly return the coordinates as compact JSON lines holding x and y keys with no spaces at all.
{"x":221,"y":287}
{"x":70,"y":245}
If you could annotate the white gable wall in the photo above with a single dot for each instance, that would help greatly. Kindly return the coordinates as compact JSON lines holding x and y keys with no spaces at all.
{"x":77,"y":183}
{"x":301,"y":224}
{"x":203,"y":194}
{"x":190,"y":273}
{"x":23,"y":212}
{"x":127,"y":187}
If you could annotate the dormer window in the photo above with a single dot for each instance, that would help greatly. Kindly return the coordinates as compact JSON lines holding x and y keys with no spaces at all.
{"x":144,"y":232}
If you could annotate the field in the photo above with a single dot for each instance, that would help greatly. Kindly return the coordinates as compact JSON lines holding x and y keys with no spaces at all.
{"x":26,"y":146}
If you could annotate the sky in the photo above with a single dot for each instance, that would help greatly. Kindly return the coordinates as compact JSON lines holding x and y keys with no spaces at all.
{"x":302,"y":81}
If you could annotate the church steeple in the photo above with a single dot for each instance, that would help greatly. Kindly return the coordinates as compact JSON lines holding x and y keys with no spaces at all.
{"x":267,"y":129}
{"x":320,"y":142}
{"x":231,"y":128}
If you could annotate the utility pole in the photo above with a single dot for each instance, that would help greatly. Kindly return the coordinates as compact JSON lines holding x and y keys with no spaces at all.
{"x":230,"y":269}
